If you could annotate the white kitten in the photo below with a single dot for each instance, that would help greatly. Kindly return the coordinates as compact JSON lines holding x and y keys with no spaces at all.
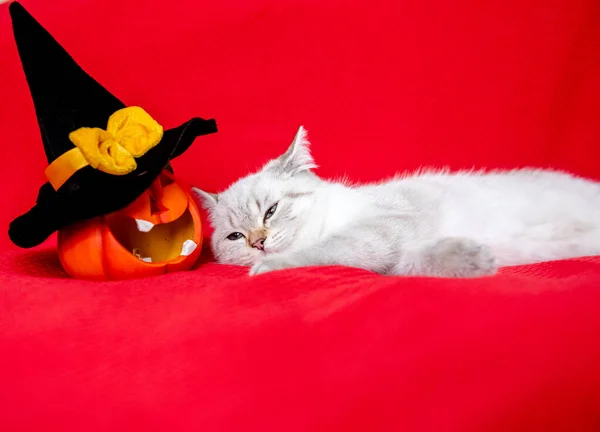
{"x":462,"y":224}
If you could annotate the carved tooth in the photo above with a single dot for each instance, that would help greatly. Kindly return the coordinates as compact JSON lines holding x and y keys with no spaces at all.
{"x":143,"y":225}
{"x":147,"y":259}
{"x":188,"y":247}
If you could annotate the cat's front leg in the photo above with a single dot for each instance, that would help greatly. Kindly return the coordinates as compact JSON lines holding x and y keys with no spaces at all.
{"x":448,"y":257}
{"x":365,"y":247}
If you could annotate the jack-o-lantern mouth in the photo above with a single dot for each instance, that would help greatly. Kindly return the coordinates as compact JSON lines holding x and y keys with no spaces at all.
{"x":163,"y":242}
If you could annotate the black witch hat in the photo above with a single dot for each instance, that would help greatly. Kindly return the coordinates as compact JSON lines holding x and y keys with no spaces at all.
{"x":66,"y":99}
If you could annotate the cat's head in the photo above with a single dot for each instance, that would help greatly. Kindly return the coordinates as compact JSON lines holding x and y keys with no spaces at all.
{"x":260,"y":214}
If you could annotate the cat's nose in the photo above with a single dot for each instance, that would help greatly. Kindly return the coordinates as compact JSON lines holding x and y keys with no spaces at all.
{"x":259,"y":244}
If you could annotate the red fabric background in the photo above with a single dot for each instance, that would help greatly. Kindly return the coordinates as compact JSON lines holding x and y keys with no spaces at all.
{"x":382,"y":86}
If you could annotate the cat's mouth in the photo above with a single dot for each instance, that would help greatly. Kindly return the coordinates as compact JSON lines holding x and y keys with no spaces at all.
{"x":155,"y":243}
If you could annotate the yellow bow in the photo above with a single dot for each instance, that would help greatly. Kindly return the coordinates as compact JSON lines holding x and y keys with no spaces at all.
{"x":130,"y":133}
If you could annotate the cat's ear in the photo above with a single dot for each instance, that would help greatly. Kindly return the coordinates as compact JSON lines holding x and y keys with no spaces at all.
{"x":209,"y":200}
{"x":296,"y":159}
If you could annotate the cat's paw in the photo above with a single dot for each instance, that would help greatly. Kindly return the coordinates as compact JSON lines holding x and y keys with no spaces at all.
{"x":270,"y":263}
{"x":460,"y":257}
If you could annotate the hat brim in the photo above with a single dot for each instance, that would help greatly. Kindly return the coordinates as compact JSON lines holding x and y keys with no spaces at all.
{"x":90,"y":193}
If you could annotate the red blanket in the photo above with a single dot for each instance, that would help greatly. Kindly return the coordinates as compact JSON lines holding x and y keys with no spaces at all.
{"x":382,"y":86}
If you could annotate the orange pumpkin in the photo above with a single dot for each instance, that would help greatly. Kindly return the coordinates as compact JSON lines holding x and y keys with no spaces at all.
{"x":160,"y":232}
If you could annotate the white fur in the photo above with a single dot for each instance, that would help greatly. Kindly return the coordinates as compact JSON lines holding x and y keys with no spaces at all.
{"x":460,"y":224}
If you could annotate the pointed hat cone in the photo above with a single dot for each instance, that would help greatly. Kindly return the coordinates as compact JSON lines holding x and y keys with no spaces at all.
{"x":64,"y":95}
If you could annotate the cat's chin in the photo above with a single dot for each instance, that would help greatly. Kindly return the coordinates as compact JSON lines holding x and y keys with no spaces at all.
{"x":244,"y":261}
{"x":259,"y":257}
{"x":271,"y":263}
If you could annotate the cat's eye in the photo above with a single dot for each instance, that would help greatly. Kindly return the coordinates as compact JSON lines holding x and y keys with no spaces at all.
{"x":270,"y":212}
{"x":235,"y":236}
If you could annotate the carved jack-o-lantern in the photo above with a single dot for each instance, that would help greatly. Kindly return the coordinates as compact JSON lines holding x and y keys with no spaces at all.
{"x":159,"y":232}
